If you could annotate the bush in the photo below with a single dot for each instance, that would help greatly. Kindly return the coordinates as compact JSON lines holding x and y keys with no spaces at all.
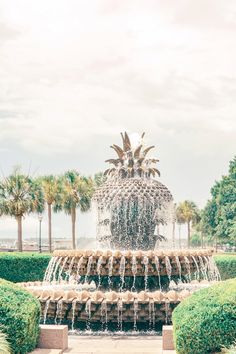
{"x":19,"y":317}
{"x":206,"y":321}
{"x":23,"y":267}
{"x":226,"y":265}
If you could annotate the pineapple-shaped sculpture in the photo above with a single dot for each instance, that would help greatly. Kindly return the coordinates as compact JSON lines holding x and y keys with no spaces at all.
{"x":131,"y":203}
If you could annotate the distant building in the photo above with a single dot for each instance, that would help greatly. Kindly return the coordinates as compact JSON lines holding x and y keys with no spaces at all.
{"x":62,"y":244}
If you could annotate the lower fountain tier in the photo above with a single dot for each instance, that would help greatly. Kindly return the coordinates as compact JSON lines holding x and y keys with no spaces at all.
{"x":130,"y":263}
{"x":72,"y":306}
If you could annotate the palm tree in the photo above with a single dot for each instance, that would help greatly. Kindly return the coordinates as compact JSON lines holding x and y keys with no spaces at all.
{"x":52,"y":190}
{"x":180,"y":220}
{"x":20,"y":195}
{"x":77,"y":193}
{"x":186,"y":213}
{"x":99,"y":179}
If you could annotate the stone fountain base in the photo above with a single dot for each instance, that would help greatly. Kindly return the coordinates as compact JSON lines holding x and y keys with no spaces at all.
{"x":125,"y":290}
{"x":77,"y":307}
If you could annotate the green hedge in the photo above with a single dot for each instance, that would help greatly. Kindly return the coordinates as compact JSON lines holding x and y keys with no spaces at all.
{"x":19,"y":317}
{"x":23,"y":267}
{"x":226,"y":265}
{"x":206,"y":321}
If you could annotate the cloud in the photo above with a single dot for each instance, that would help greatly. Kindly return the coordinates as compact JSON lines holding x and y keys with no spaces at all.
{"x":73,"y":76}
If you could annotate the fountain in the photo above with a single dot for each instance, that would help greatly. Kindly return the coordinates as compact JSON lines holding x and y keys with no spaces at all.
{"x":131,"y":282}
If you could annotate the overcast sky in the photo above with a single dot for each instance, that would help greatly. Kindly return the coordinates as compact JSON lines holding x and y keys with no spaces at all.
{"x":75,"y":73}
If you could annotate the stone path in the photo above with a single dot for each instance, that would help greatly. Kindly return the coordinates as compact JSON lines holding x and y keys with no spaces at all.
{"x":111,"y":345}
{"x":116,"y":345}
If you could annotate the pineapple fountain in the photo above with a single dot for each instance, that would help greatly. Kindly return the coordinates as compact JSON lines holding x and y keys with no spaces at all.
{"x":126,"y":284}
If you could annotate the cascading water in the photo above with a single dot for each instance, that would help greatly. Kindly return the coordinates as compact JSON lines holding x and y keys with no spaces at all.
{"x":168,"y":267}
{"x":59,"y":311}
{"x":179,"y":268}
{"x":145,"y":262}
{"x":120,"y":315}
{"x":104,"y":315}
{"x":197,"y":272}
{"x":122,"y":272}
{"x":187,"y":265}
{"x":90,"y":262}
{"x":46,"y":311}
{"x":134,"y":271}
{"x":99,"y":264}
{"x":73,"y":307}
{"x":151,"y":315}
{"x":135,"y":314}
{"x":157,"y":263}
{"x":88,"y":312}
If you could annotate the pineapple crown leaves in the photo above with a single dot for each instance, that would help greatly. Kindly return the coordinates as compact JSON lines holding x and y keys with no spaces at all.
{"x":131,"y":162}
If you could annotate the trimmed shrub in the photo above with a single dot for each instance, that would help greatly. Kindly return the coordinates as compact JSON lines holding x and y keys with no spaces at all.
{"x":23,"y":267}
{"x":206,"y":321}
{"x":226,"y":265}
{"x":19,"y":317}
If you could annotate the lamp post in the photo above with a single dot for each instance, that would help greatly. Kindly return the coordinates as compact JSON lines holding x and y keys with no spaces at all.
{"x":40,"y":217}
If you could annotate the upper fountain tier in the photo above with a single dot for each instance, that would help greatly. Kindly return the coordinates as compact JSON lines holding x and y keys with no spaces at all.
{"x":131,"y":203}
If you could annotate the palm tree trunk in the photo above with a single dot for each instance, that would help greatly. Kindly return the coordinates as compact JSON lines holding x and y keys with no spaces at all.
{"x":19,"y":225}
{"x":173,"y":233}
{"x":179,"y":235}
{"x":73,"y":219}
{"x":50,"y":227}
{"x":189,"y":233}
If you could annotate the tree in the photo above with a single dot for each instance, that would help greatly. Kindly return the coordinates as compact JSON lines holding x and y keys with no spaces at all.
{"x":219,"y":216}
{"x":180,"y":220}
{"x":76,"y":193}
{"x":20,"y":195}
{"x":52,"y":191}
{"x":186,"y":213}
{"x":99,"y":179}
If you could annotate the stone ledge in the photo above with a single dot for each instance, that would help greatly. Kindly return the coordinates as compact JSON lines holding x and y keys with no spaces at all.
{"x":53,"y":337}
{"x":167,"y":338}
{"x":47,"y":351}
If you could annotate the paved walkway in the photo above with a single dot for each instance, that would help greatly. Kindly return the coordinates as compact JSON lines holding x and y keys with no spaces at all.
{"x":116,"y":345}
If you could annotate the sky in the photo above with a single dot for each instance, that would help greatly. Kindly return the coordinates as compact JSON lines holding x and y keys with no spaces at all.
{"x":74,"y":74}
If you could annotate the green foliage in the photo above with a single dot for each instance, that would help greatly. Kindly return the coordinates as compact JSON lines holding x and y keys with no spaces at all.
{"x":19,"y":317}
{"x":52,"y":188}
{"x":186,"y":212}
{"x":77,"y":192}
{"x":206,"y":321}
{"x":219,"y":215}
{"x":227,"y":266}
{"x":23,"y":267}
{"x":195,"y":240}
{"x":20,"y":195}
{"x":4,"y":345}
{"x":99,"y":179}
